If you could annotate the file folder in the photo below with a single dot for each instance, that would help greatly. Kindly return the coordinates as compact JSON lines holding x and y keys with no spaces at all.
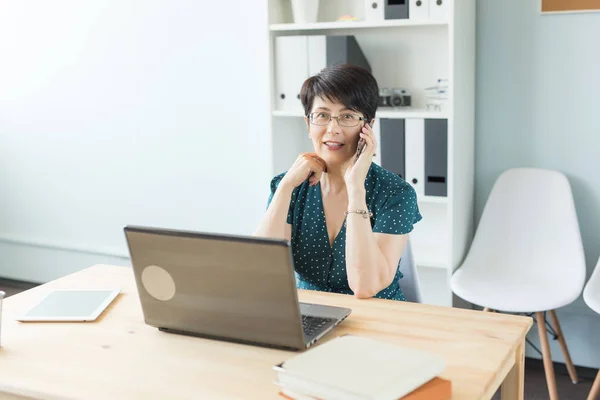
{"x":396,"y":9}
{"x":325,"y":51}
{"x":291,"y":70}
{"x":374,"y":10}
{"x":299,"y":57}
{"x":392,"y":151}
{"x":436,"y":157}
{"x":418,"y":9}
{"x":438,"y":9}
{"x":377,"y":133}
{"x":415,"y":154}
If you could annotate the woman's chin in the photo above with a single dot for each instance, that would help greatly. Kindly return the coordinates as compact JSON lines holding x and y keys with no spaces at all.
{"x":335,"y":160}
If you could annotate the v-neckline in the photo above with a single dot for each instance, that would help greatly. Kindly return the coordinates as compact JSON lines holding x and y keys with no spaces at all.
{"x":324,"y":219}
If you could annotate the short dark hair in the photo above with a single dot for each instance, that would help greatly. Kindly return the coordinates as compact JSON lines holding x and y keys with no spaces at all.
{"x":348,"y":84}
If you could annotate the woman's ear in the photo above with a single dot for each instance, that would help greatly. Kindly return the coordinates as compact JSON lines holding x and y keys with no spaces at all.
{"x":372,"y":122}
{"x":307,"y":125}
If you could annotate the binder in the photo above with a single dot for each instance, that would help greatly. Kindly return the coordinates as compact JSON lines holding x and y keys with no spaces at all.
{"x":418,"y":9}
{"x":438,"y":9}
{"x":374,"y":10}
{"x":377,"y":133}
{"x":291,"y":70}
{"x":325,"y":51}
{"x":317,"y":54}
{"x":392,"y":147}
{"x":436,"y":157}
{"x":415,"y":154}
{"x":396,"y":9}
{"x":298,"y":57}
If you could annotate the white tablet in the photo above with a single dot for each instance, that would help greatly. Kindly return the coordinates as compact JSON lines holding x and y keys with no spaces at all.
{"x":71,"y":305}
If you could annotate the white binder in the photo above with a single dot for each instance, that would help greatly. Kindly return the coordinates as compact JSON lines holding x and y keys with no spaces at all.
{"x":438,"y":10}
{"x":291,"y":70}
{"x":419,"y":9}
{"x":317,"y":54}
{"x":377,"y":133}
{"x":374,"y":10}
{"x":415,"y":153}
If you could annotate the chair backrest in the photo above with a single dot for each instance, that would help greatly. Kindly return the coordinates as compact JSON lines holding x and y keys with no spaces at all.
{"x":409,"y":283}
{"x":591,"y":293}
{"x":529,"y":228}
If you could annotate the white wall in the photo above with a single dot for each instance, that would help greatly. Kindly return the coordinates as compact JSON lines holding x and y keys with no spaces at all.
{"x":538,"y":88}
{"x":127,"y":112}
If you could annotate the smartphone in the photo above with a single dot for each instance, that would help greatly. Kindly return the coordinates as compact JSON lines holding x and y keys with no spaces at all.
{"x":362,"y":144}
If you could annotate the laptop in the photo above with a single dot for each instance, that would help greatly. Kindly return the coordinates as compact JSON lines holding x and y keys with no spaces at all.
{"x":225,"y":287}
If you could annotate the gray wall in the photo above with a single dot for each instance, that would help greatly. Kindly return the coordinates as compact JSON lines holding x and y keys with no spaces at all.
{"x":538,"y":105}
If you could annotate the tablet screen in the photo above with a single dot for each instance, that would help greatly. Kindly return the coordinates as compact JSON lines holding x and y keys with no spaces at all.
{"x":72,"y":305}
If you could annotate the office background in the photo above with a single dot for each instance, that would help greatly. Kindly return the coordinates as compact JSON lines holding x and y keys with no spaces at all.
{"x":157,"y":113}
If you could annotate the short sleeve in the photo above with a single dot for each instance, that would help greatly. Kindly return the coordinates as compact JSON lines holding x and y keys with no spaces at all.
{"x":399,"y":212}
{"x":274,"y":184}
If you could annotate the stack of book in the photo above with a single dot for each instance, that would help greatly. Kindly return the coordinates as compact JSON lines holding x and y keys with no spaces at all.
{"x":436,"y":97}
{"x":359,"y":368}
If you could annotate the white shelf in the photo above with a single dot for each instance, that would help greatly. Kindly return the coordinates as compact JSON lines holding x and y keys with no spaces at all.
{"x":435,"y":286}
{"x":432,"y":199}
{"x":429,"y":254}
{"x":317,"y":26}
{"x":431,"y":264}
{"x":381,"y":113}
{"x":410,"y":113}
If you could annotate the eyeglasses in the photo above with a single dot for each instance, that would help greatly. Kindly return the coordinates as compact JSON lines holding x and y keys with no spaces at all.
{"x":347,"y":119}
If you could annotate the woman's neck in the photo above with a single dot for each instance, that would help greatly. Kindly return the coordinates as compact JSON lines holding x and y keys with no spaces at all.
{"x":333,"y":181}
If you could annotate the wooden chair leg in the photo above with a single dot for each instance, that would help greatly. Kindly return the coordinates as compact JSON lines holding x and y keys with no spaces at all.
{"x":546,"y":356}
{"x":595,"y":391}
{"x":564,"y":348}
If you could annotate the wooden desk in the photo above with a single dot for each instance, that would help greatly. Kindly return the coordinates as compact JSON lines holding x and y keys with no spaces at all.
{"x":119,"y":357}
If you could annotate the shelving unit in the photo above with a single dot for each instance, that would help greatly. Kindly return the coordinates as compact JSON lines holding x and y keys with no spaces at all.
{"x":412,"y":55}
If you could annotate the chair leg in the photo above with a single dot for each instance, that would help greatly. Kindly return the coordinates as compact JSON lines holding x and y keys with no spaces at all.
{"x":546,"y":356}
{"x":595,"y":391}
{"x":563,"y":347}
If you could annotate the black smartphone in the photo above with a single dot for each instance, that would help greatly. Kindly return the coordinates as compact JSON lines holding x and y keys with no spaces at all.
{"x":362,"y":144}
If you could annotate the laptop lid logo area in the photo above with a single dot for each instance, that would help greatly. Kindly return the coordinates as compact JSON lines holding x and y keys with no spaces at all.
{"x":158,"y":283}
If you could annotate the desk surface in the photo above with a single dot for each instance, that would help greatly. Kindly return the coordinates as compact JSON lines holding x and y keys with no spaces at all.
{"x":119,"y":356}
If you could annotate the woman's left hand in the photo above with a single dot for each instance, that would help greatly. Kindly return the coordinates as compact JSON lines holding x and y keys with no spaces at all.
{"x":356,"y":174}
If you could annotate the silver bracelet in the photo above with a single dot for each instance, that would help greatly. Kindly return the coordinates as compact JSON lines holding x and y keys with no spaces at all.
{"x":364,"y":213}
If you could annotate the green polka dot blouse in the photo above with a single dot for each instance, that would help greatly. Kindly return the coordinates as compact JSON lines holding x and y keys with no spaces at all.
{"x":321,"y":266}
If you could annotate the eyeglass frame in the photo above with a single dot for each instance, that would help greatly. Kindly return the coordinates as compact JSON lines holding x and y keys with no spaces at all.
{"x":336,"y":119}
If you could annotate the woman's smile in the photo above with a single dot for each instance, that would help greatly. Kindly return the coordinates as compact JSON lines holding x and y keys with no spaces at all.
{"x":333,"y":145}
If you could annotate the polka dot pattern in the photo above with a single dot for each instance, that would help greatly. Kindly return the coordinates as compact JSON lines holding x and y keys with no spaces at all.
{"x":321,"y":266}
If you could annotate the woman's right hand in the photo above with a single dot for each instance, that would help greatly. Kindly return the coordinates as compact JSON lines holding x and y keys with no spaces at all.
{"x":307,"y":165}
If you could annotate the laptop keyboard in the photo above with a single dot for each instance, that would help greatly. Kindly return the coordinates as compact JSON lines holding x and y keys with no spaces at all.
{"x":313,"y":325}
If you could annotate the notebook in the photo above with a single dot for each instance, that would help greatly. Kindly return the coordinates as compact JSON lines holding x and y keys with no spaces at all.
{"x":435,"y":389}
{"x":358,"y":368}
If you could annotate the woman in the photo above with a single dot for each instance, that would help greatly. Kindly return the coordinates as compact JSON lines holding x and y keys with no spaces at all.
{"x":347,"y":220}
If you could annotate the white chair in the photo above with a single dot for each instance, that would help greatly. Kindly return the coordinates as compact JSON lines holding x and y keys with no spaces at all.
{"x":409,"y":283}
{"x":527,"y":255}
{"x":591,"y":296}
